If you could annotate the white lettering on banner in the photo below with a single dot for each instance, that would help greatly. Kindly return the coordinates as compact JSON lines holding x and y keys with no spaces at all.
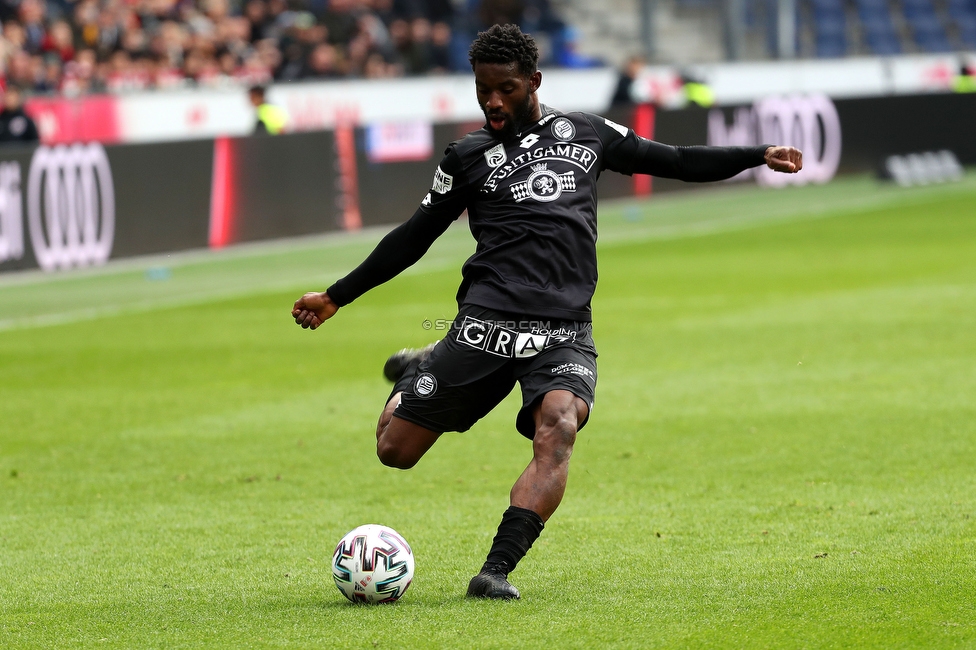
{"x":399,"y":141}
{"x":807,"y":122}
{"x":924,"y":168}
{"x":11,"y":217}
{"x":71,"y":206}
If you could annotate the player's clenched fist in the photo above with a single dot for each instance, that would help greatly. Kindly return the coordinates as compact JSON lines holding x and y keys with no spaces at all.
{"x":784,"y":159}
{"x":313,"y":309}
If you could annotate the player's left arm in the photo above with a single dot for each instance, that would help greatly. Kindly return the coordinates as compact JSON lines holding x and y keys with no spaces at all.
{"x":628,"y":153}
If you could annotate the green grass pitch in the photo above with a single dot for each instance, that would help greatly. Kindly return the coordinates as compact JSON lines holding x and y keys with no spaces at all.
{"x":782,"y":453}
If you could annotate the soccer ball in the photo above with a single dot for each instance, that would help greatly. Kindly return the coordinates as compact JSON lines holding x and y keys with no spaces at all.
{"x":372,"y":564}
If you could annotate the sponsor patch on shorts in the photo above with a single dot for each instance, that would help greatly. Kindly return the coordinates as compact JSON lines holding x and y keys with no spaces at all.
{"x":572,"y":369}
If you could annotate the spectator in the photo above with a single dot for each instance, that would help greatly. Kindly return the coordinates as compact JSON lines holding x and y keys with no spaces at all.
{"x":417,"y":54}
{"x":15,"y":124}
{"x":31,"y":14}
{"x":60,"y":41}
{"x":440,"y":47}
{"x":623,"y":94}
{"x":322,"y":63}
{"x":256,"y":13}
{"x":501,"y":12}
{"x":271,"y":119}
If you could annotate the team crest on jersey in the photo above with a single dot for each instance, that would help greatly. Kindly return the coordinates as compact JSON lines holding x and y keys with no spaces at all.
{"x":496,"y":156}
{"x":563,"y":129}
{"x":544,"y":185}
{"x":442,"y":182}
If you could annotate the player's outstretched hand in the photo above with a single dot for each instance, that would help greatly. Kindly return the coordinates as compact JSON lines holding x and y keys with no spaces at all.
{"x":784,"y":159}
{"x":313,"y":309}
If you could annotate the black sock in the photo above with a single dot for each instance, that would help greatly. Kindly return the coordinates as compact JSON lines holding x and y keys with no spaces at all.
{"x":518,"y":530}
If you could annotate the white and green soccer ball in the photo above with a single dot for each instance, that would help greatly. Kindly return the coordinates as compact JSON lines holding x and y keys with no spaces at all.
{"x":372,"y":564}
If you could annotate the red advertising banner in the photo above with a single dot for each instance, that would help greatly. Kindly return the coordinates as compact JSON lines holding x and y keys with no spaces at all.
{"x":84,"y":119}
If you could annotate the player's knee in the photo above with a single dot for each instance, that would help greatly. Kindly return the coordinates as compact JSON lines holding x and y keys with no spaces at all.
{"x":393,"y":456}
{"x":555,"y":436}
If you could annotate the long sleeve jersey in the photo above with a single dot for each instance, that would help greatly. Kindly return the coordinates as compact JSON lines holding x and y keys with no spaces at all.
{"x":531,"y":203}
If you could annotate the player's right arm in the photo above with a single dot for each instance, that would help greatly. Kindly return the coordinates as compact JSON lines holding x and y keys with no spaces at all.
{"x":398,"y":250}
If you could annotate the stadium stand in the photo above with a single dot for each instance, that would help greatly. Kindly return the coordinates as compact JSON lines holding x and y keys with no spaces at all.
{"x":963,"y":15}
{"x":75,"y":47}
{"x":927,"y":30}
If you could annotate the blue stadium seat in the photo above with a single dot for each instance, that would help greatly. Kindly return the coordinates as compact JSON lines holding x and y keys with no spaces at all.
{"x":829,"y":28}
{"x":916,"y":8}
{"x":929,"y":33}
{"x":879,"y":30}
{"x":831,"y":36}
{"x":963,"y":15}
{"x":960,"y":8}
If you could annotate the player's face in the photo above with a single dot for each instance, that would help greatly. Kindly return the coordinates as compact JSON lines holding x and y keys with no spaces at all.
{"x":507,"y":98}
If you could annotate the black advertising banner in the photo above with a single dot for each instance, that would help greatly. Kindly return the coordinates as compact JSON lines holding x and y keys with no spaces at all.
{"x":80,"y":205}
{"x":284,"y":186}
{"x":162,"y":196}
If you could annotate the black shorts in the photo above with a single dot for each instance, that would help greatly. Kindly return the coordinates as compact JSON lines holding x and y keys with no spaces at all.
{"x":485,"y":352}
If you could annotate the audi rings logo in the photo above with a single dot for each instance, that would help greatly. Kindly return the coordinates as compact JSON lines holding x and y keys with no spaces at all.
{"x":808,"y":122}
{"x":70,"y":206}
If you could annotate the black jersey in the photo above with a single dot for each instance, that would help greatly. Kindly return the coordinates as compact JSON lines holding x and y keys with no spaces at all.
{"x":531,"y":203}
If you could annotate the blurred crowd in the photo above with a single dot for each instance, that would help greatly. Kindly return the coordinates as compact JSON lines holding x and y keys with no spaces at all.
{"x":74,"y":47}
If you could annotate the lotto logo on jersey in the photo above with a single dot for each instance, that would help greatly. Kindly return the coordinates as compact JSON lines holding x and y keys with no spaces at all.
{"x":442,"y":182}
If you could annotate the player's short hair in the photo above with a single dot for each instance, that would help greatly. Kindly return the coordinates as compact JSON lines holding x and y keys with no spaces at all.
{"x":505,"y":44}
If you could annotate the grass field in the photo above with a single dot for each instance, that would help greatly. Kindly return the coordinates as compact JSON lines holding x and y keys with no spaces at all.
{"x":782,"y":454}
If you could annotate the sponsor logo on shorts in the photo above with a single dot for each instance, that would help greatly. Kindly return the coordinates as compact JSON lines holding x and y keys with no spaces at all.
{"x":425,"y":385}
{"x":563,"y":129}
{"x":510,"y":343}
{"x":572,"y":369}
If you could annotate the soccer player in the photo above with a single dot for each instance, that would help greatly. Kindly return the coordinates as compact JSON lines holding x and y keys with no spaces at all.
{"x":528,"y":182}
